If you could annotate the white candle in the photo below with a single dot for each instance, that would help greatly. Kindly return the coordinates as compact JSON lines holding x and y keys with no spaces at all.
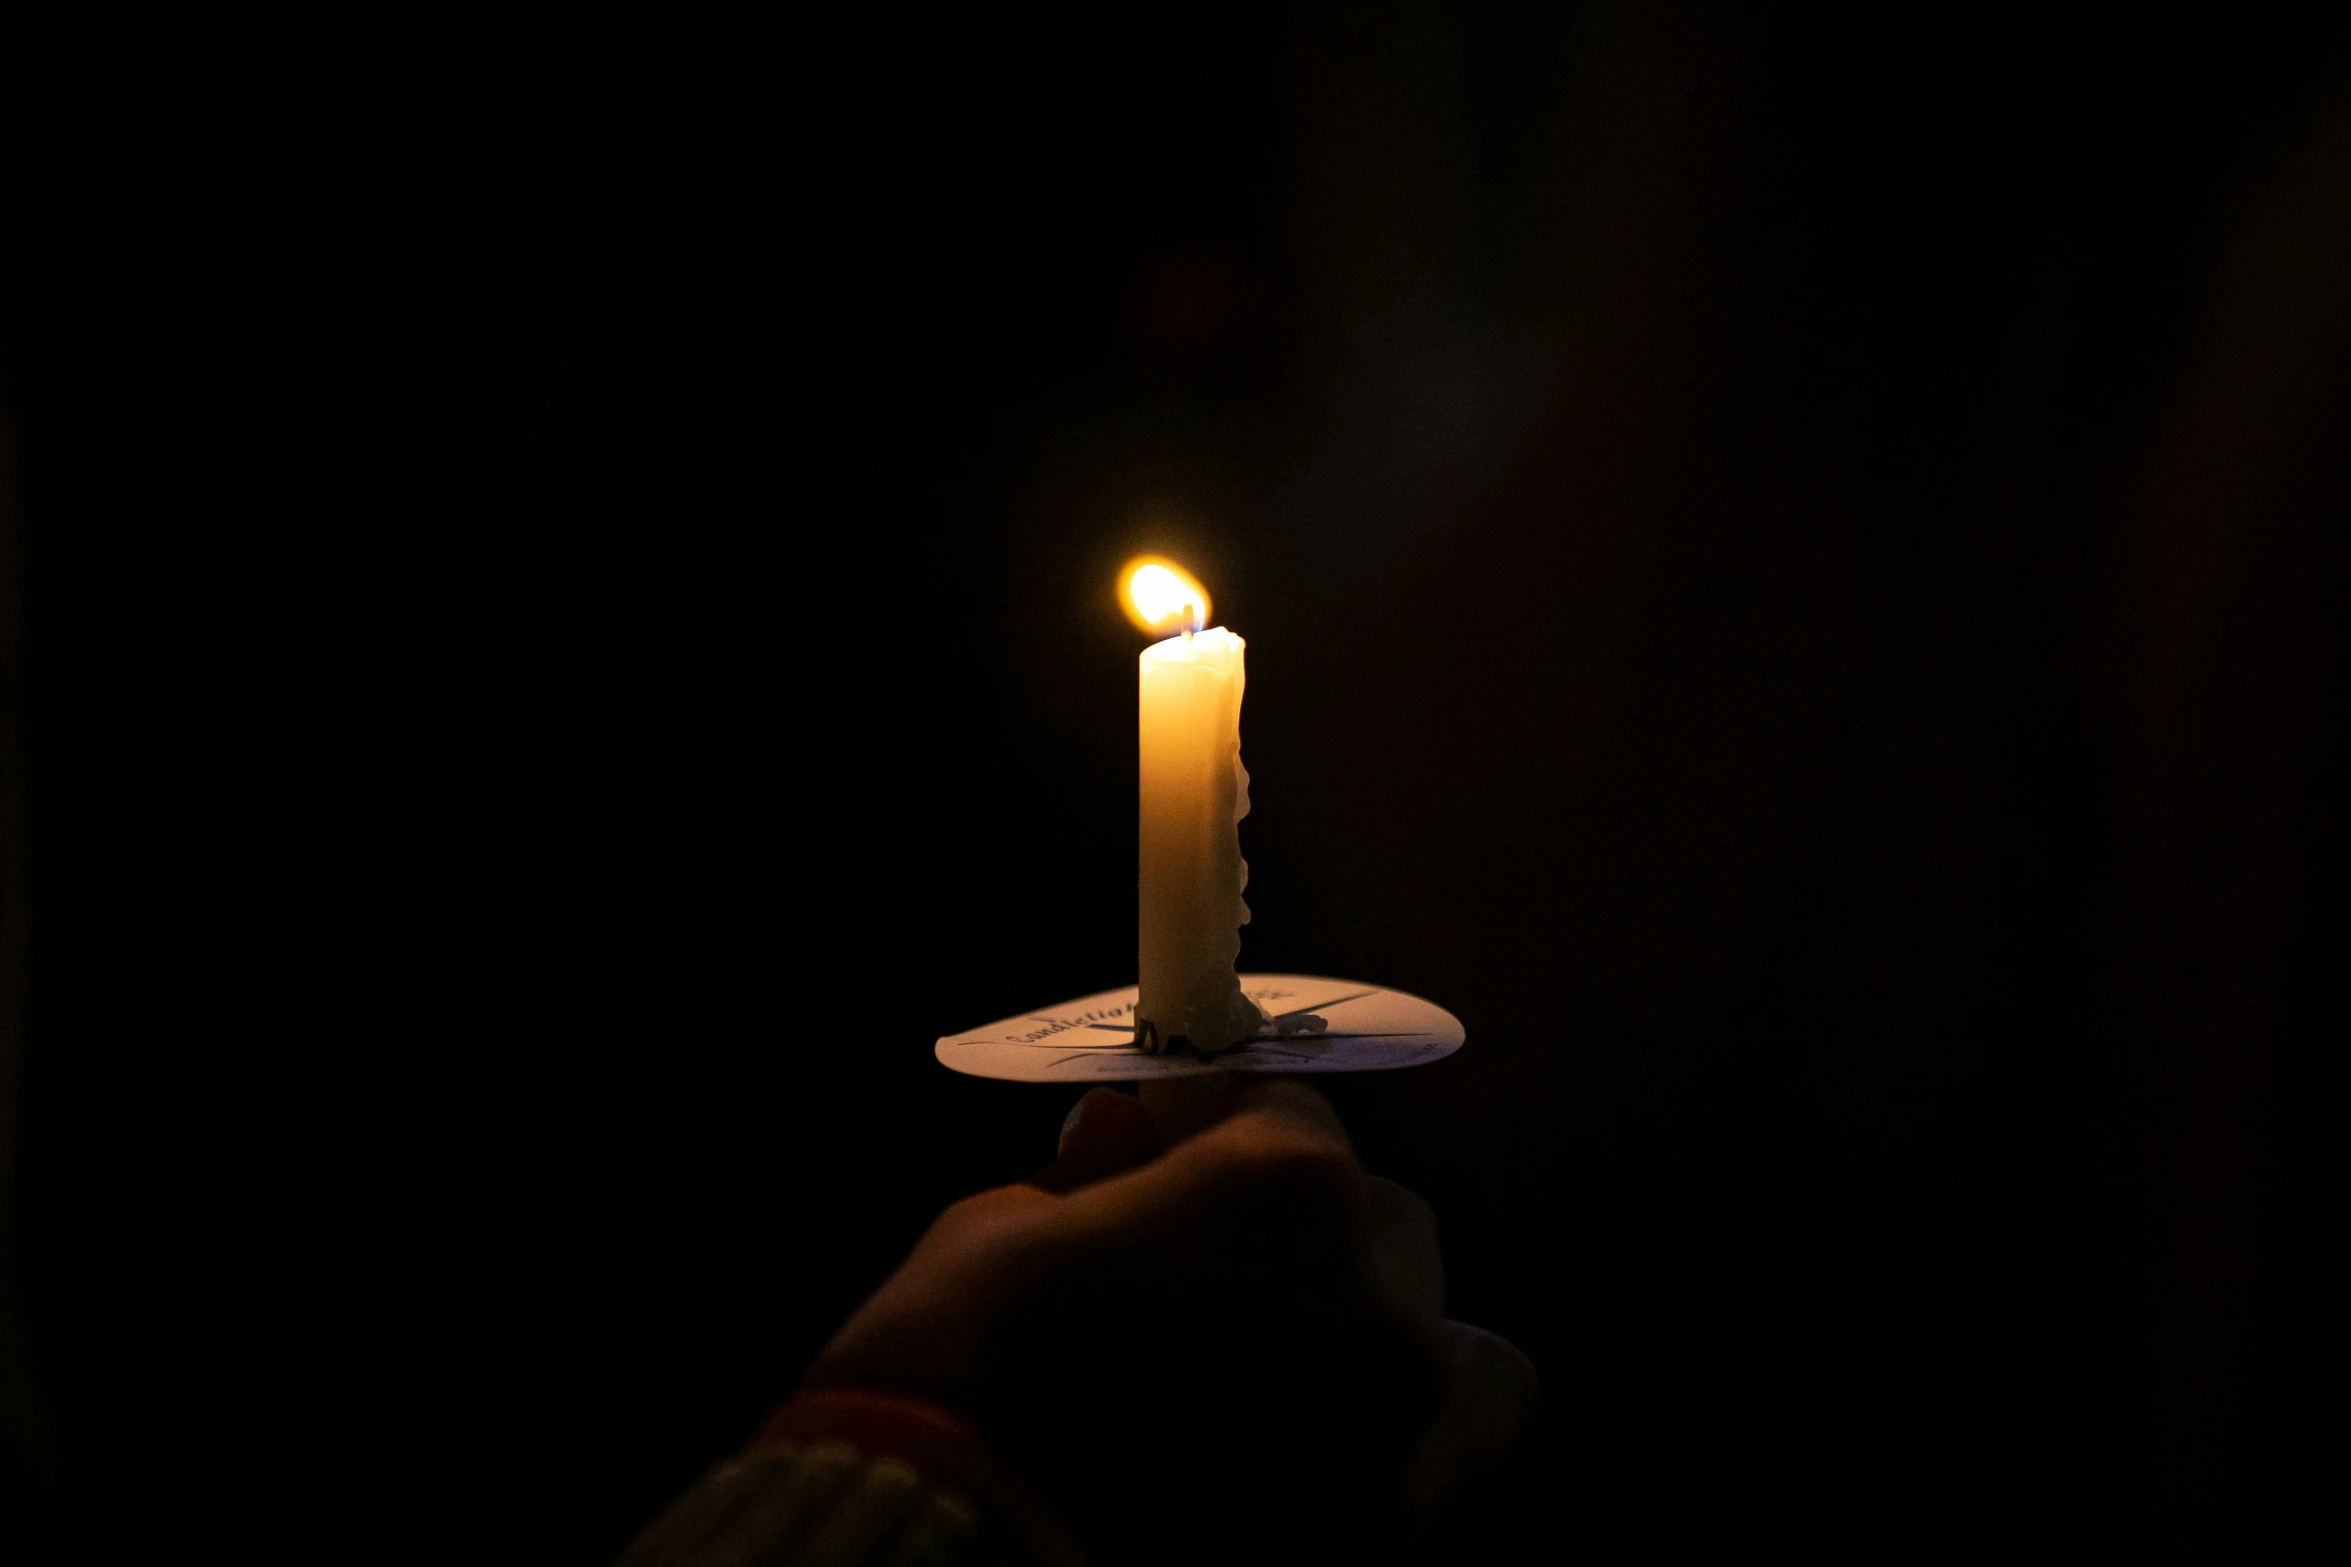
{"x":1191,"y":874}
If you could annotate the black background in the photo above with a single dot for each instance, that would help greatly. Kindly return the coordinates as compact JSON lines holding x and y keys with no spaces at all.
{"x":1792,"y":564}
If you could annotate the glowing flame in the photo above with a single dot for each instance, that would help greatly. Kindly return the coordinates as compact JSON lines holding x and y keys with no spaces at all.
{"x":1162,"y":598}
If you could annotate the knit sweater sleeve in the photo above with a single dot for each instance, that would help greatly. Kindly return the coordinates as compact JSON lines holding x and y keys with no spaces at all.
{"x":848,"y":1478}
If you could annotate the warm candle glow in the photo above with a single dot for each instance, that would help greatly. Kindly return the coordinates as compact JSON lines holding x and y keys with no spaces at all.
{"x":1162,"y":598}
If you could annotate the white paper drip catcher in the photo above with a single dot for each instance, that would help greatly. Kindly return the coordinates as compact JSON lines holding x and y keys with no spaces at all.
{"x":1365,"y":1028}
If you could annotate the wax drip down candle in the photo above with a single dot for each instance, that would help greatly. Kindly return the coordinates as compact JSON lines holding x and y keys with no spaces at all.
{"x":1194,"y":793}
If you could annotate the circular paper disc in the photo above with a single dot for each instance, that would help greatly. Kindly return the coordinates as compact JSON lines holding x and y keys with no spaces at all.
{"x":1367,"y":1028}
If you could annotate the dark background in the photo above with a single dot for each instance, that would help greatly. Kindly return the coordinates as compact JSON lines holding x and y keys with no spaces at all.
{"x":1793,"y":560}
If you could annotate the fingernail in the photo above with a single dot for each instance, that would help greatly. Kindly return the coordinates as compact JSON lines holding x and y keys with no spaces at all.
{"x":1069,"y":1126}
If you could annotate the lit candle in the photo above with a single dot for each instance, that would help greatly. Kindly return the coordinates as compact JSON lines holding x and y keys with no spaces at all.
{"x":1194,"y":794}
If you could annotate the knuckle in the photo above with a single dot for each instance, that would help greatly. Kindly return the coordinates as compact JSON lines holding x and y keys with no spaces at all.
{"x":986,"y":1212}
{"x":964,"y":1210}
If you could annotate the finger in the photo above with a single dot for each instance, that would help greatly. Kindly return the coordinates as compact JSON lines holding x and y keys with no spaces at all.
{"x":1287,"y":1102}
{"x":1404,"y":1248}
{"x":1279,"y":1158}
{"x":1181,"y":1107}
{"x":1106,"y":1133}
{"x":1491,"y":1405}
{"x":1278,"y":1136}
{"x":1107,"y":1124}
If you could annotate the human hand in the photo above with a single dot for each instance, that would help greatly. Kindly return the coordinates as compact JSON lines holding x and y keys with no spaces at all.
{"x":1232,"y":1350}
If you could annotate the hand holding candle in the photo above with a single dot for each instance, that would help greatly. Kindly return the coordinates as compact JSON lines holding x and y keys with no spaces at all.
{"x":1194,"y":794}
{"x":1233,"y":1350}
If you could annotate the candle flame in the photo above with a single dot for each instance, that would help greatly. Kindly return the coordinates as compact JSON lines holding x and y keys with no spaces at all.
{"x":1162,"y":598}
